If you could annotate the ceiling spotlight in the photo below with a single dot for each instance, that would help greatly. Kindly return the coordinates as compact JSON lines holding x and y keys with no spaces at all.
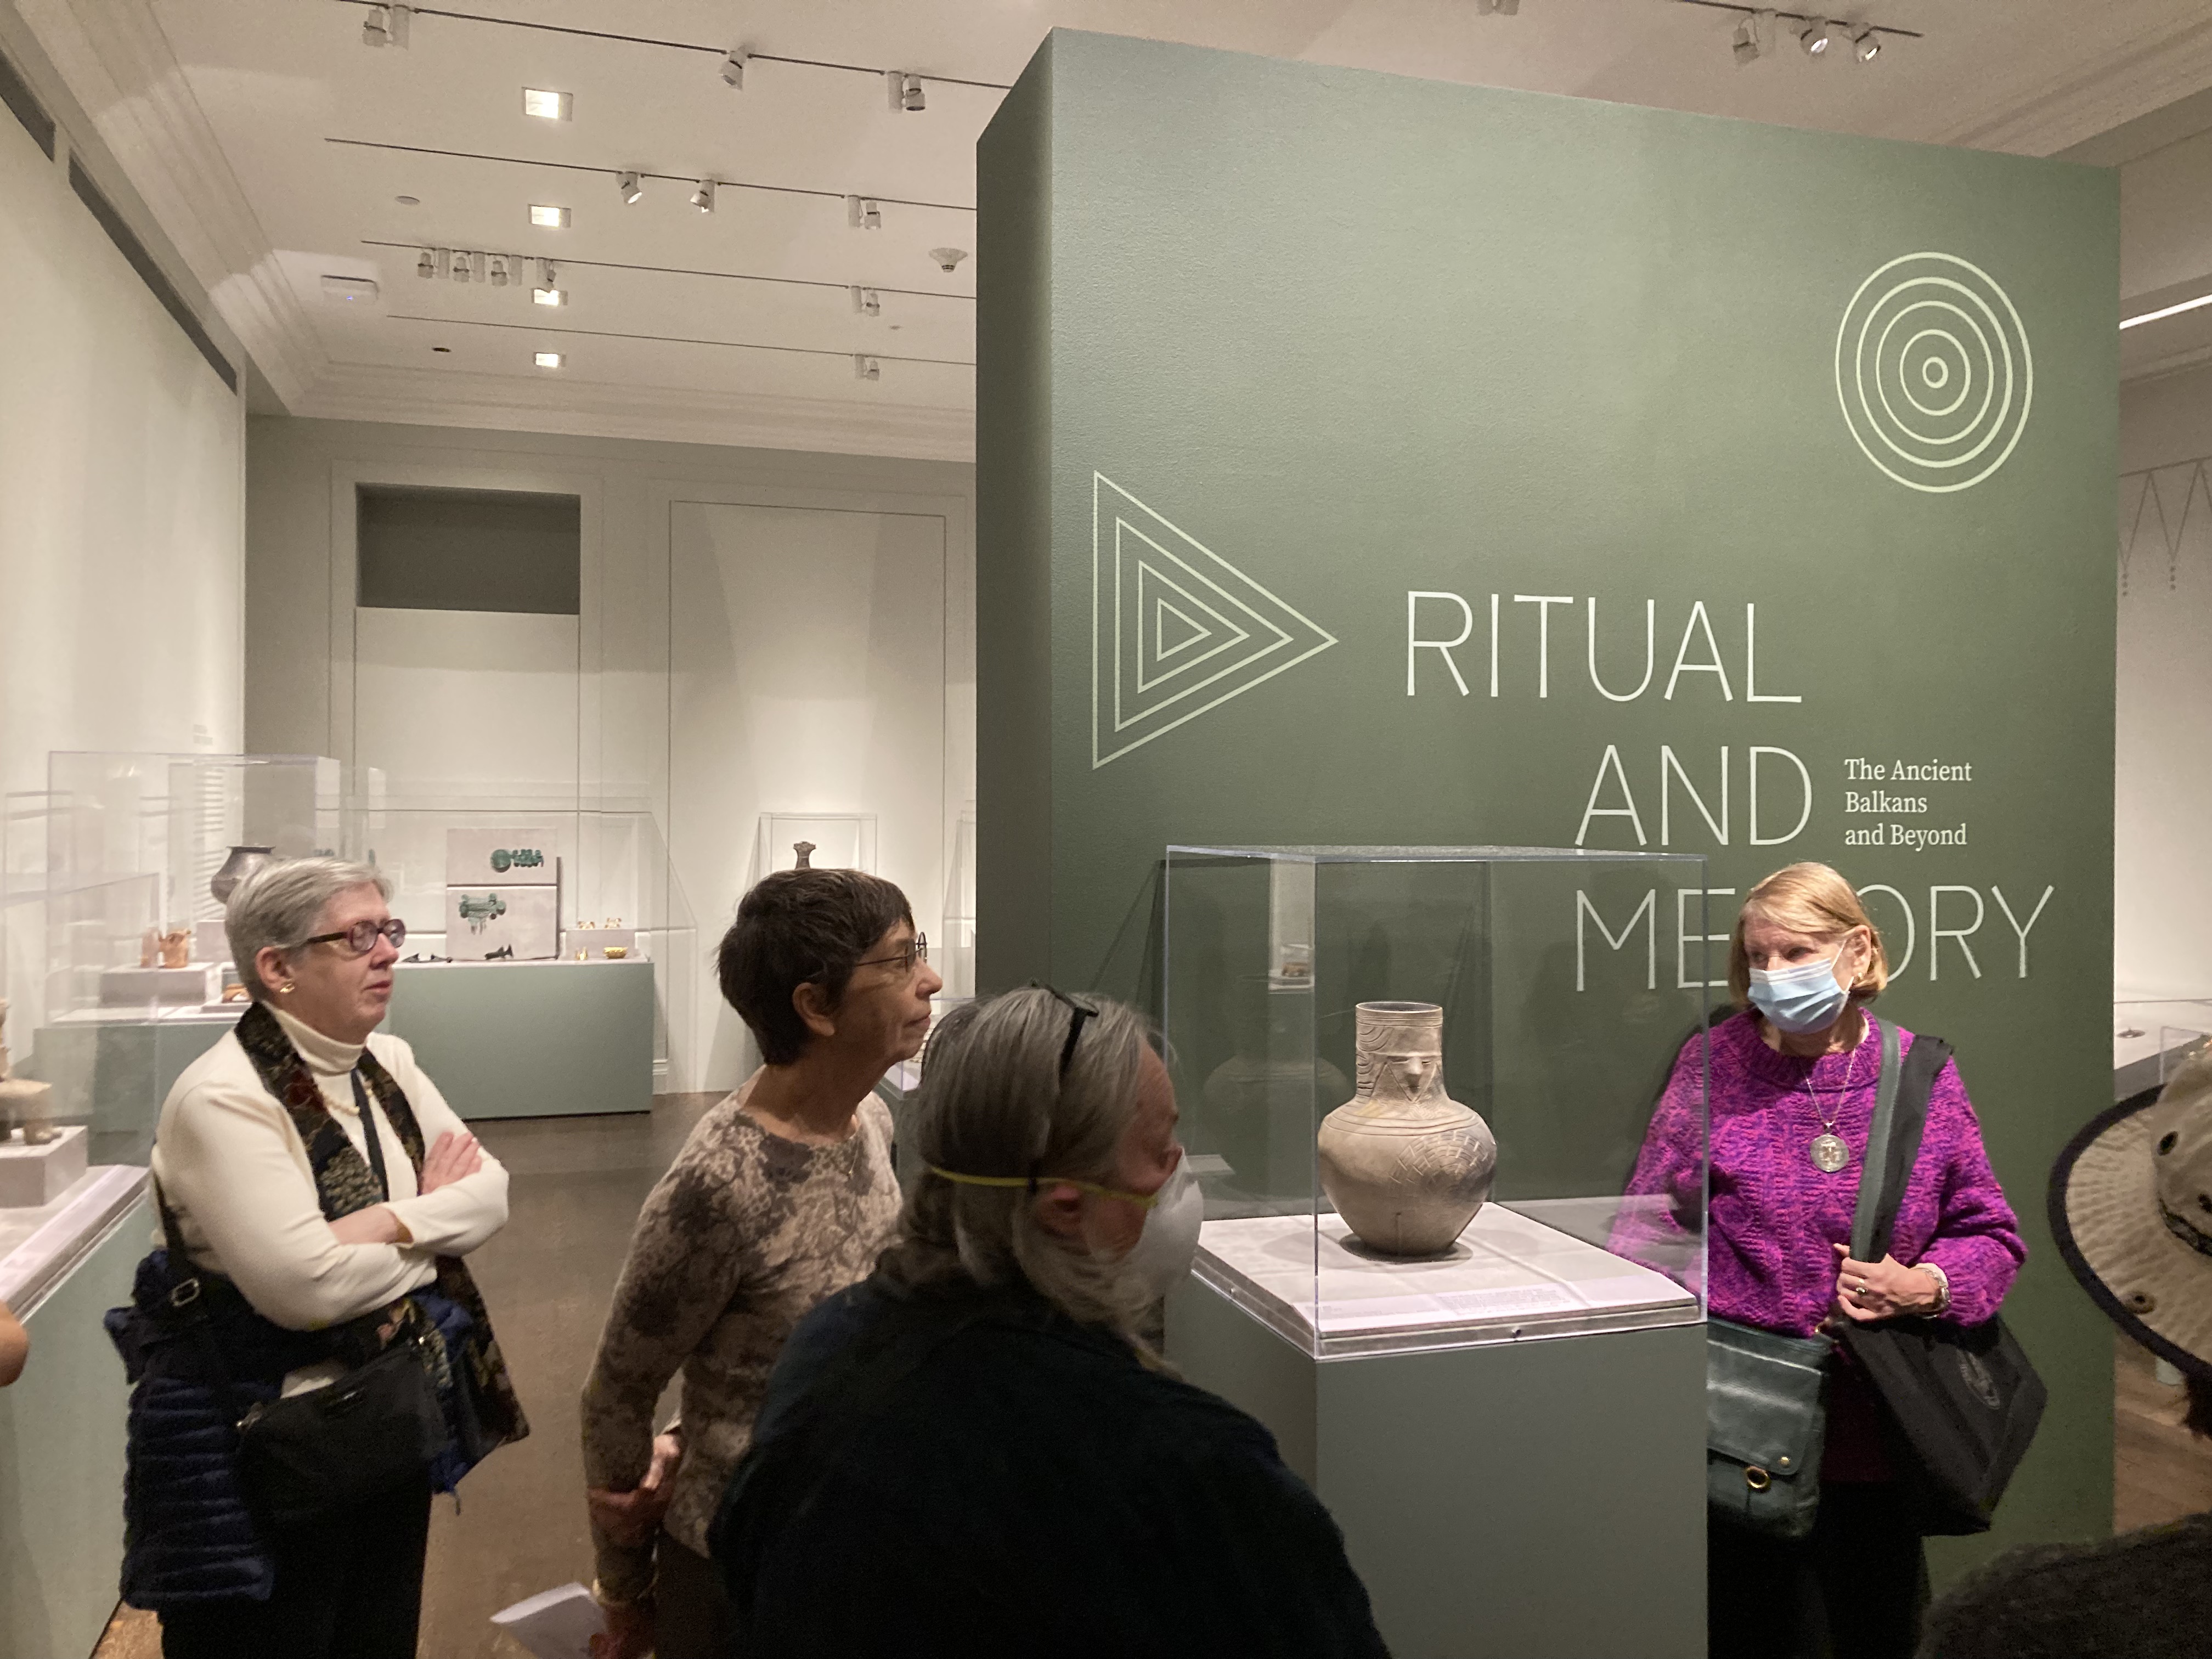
{"x":1866,"y":44}
{"x":866,"y":302}
{"x":1815,"y":37}
{"x":628,"y":184}
{"x":460,"y":267}
{"x":864,"y":212}
{"x":546,"y":359}
{"x":866,"y":368}
{"x":498,"y":263}
{"x":427,"y":265}
{"x":550,"y":218}
{"x":546,"y":105}
{"x":549,"y":296}
{"x":704,"y":198}
{"x":947,"y":258}
{"x":905,"y":90}
{"x":1746,"y":43}
{"x":545,"y":277}
{"x":733,"y":67}
{"x":386,"y":26}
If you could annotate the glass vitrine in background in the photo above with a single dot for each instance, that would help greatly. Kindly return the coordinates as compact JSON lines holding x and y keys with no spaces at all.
{"x":1552,"y":993}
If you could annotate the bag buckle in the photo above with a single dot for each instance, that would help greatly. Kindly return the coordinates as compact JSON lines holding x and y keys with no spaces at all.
{"x":1756,"y":1478}
{"x":183,"y":1296}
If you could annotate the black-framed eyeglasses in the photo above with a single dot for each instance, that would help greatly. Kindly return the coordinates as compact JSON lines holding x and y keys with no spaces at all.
{"x":361,"y":938}
{"x":917,"y":955}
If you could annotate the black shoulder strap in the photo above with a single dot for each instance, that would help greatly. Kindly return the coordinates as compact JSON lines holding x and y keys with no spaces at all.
{"x":1900,"y":1115}
{"x":372,"y":1141}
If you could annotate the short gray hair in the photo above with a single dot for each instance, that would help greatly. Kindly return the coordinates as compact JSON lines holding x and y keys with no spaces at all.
{"x":279,"y":904}
{"x":992,"y":1103}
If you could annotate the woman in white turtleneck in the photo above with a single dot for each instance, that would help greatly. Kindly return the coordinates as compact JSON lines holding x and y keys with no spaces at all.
{"x":317,"y":941}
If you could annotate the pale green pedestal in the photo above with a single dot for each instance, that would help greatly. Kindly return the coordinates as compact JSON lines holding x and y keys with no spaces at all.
{"x":1522,"y":1500}
{"x":530,"y":1039}
{"x":60,"y":1460}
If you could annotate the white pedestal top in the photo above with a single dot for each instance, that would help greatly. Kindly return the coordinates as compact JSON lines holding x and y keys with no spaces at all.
{"x":1506,"y":1277}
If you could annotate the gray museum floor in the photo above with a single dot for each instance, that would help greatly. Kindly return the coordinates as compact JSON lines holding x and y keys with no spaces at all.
{"x":577,"y":1184}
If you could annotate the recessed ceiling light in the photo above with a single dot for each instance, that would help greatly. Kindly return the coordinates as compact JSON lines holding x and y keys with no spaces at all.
{"x":409,"y":201}
{"x":348,"y":290}
{"x":545,"y":105}
{"x":547,"y":360}
{"x":549,"y":296}
{"x":552,"y":218}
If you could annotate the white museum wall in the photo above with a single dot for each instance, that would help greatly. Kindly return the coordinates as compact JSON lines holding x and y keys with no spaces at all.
{"x":808,"y":653}
{"x":2162,"y":850}
{"x":122,"y":509}
{"x":813,"y":608}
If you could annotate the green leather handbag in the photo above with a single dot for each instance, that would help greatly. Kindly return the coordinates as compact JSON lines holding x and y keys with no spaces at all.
{"x":1766,"y":1416}
{"x":1766,"y":1408}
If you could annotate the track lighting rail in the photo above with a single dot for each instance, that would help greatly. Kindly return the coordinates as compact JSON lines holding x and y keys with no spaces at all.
{"x":566,"y":262}
{"x":620,"y":173}
{"x":717,"y":52}
{"x":678,"y":339}
{"x":1742,"y":10}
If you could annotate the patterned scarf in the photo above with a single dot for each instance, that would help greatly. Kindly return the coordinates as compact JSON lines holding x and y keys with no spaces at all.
{"x":344,"y":1183}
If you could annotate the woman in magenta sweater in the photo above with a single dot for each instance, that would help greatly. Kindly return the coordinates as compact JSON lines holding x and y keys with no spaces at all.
{"x":1794,"y":1074}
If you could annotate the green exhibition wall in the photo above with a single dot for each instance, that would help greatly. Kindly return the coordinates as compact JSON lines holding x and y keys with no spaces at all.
{"x":1523,"y":470}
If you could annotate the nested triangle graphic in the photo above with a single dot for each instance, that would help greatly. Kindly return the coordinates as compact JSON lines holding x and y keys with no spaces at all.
{"x":1170,"y":611}
{"x":1175,"y":629}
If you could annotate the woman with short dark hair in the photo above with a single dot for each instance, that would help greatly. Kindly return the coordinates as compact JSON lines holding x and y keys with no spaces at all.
{"x":782,"y":1195}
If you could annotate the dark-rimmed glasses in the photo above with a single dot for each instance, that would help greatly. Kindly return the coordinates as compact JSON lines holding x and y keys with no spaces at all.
{"x":915,"y":955}
{"x":360,"y":939}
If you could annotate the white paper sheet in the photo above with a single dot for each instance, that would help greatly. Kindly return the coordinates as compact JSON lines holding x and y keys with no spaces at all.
{"x":555,"y":1624}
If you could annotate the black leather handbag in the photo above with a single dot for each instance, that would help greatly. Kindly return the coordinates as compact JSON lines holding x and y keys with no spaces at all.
{"x":1963,"y":1400}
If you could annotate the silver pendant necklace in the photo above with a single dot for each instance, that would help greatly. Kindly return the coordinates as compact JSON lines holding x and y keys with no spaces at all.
{"x":1828,"y":1151}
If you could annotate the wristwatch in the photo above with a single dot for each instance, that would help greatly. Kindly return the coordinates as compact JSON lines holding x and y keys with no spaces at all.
{"x":1942,"y":1285}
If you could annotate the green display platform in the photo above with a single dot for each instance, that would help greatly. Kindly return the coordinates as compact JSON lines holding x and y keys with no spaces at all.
{"x":1522,"y":1500}
{"x":61,"y":1460}
{"x":530,"y":1039}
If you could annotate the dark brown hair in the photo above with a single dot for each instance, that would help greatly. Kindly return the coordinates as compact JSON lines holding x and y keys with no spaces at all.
{"x":800,"y":928}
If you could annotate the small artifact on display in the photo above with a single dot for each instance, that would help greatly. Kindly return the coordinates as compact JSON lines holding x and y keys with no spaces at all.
{"x":236,"y":869}
{"x":234,"y":991}
{"x":1406,"y":1166}
{"x":805,"y":850}
{"x":24,"y":1105}
{"x":177,"y":947}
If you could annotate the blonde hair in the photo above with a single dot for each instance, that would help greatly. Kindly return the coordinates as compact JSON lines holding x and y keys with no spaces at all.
{"x":1812,"y":899}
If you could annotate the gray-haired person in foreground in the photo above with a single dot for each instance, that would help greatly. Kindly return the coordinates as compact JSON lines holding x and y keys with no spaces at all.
{"x":975,"y":1451}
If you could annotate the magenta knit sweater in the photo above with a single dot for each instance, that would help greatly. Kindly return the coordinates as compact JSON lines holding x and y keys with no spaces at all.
{"x":1774,"y":1216}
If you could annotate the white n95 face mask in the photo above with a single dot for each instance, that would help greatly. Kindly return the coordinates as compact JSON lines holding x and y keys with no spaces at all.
{"x":1164,"y":1250}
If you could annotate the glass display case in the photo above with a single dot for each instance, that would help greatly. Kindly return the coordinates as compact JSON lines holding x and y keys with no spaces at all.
{"x":1415,"y":1082}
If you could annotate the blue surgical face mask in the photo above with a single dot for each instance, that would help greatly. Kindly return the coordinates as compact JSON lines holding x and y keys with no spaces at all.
{"x":1805,"y":997}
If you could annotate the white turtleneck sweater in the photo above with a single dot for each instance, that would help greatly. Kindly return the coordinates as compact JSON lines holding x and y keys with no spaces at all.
{"x":235,"y":1171}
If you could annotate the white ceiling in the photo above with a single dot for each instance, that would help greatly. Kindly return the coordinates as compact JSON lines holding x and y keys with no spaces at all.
{"x":227,"y":114}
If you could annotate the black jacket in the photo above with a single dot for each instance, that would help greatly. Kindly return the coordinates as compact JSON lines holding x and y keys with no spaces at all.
{"x":972,"y":1473}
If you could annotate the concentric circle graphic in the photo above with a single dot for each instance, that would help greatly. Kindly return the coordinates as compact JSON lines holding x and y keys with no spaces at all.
{"x":1933,"y":371}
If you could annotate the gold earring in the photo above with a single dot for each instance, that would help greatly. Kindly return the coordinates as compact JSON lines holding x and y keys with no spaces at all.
{"x":286,"y":987}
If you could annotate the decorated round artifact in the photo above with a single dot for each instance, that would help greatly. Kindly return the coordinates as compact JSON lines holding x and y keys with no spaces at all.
{"x":1406,"y":1165}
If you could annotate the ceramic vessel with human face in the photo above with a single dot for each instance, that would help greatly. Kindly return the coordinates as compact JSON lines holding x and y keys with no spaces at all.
{"x":1406,"y":1165}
